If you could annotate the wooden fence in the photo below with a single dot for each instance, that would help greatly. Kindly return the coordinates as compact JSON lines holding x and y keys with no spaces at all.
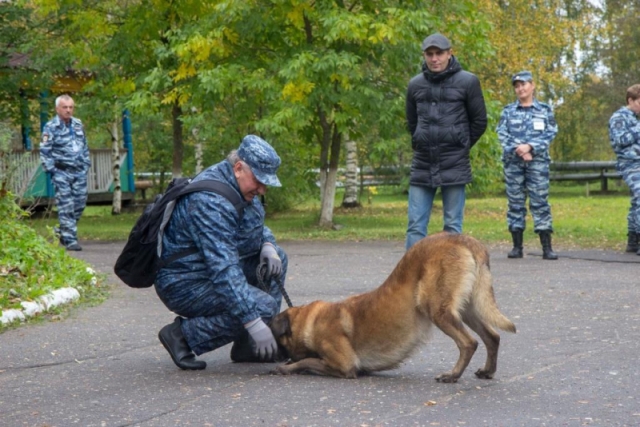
{"x":601,"y":171}
{"x":33,"y":187}
{"x":591,"y":171}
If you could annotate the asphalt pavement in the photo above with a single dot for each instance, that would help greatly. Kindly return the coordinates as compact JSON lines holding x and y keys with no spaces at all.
{"x":573,"y":362}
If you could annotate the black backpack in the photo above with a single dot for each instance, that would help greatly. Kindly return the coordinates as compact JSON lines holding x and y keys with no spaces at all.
{"x":139,"y":263}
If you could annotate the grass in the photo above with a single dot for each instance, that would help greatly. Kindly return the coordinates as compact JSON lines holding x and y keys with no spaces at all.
{"x":582,"y":218}
{"x":32,"y":267}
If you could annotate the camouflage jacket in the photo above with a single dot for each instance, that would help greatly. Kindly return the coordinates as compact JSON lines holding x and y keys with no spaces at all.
{"x":209,"y":222}
{"x":64,"y":147}
{"x":624,"y":135}
{"x":533,"y":125}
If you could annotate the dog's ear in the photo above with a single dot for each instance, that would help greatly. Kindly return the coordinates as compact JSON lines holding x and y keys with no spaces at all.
{"x":281,"y":326}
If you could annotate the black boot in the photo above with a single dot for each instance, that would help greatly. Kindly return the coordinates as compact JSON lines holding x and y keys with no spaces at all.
{"x":172,"y":339}
{"x":547,"y":251}
{"x":516,"y":252}
{"x":242,"y":351}
{"x":632,"y":242}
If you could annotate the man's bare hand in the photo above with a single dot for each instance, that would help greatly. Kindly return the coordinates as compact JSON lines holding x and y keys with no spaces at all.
{"x":523,"y":149}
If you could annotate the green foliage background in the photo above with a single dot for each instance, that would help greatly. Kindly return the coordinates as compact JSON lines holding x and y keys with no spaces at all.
{"x":288,"y":69}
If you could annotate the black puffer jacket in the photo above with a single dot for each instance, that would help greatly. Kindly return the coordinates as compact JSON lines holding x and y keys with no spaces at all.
{"x":446,"y":116}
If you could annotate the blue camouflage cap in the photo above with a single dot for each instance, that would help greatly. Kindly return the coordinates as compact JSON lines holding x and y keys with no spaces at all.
{"x":522,"y":76}
{"x":261,"y":158}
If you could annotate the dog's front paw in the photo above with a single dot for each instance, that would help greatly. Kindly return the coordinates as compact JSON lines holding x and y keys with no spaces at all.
{"x":485,"y":375}
{"x":280,"y":370}
{"x":447,"y":377}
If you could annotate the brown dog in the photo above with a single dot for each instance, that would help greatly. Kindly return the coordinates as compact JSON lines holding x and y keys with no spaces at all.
{"x":444,"y":279}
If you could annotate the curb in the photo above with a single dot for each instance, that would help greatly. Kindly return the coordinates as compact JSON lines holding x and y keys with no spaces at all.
{"x":44,"y":303}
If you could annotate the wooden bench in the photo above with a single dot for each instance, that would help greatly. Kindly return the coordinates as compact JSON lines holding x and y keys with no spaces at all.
{"x":143,"y":186}
{"x":601,"y":171}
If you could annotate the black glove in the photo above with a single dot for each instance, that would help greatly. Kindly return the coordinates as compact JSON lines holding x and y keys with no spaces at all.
{"x":269,"y":256}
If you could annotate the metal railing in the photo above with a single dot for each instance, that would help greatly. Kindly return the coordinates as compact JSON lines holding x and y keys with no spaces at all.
{"x":28,"y":181}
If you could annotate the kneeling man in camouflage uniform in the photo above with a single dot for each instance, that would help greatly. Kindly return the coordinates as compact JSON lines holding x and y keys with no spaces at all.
{"x":214,"y":290}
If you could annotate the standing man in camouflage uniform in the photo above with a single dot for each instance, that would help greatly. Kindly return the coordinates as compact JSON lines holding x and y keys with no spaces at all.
{"x":214,"y":291}
{"x":525,"y":130}
{"x":64,"y":153}
{"x":624,"y":134}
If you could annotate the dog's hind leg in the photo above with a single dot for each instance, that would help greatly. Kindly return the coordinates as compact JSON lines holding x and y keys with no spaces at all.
{"x":453,"y":327}
{"x":491,"y":341}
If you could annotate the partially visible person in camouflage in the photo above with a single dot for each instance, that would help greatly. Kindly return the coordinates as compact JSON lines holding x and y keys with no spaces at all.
{"x":215,"y":291}
{"x":64,"y":153}
{"x":624,"y":134}
{"x":525,"y":130}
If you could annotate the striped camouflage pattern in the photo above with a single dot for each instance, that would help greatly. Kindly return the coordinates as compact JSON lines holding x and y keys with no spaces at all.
{"x":624,"y":135}
{"x":215,"y":289}
{"x":64,"y":153}
{"x":537,"y":127}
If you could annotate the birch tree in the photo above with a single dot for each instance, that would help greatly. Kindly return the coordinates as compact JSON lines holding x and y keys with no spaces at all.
{"x":116,"y":206}
{"x":350,"y":199}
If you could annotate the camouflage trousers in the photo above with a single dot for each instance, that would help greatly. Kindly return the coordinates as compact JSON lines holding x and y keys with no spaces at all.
{"x":209,"y":324}
{"x":631,"y":174}
{"x":71,"y":199}
{"x":532,"y":179}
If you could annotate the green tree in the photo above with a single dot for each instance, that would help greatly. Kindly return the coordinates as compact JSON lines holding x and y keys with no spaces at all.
{"x":544,"y":37}
{"x":23,"y":72}
{"x":313,"y":71}
{"x":608,"y":67}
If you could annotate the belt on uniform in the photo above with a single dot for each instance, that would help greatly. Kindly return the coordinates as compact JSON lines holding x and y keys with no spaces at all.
{"x":64,"y":167}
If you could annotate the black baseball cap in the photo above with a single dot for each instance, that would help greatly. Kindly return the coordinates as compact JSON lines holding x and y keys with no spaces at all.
{"x":436,"y":40}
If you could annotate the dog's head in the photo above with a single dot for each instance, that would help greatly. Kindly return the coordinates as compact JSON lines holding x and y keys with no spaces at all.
{"x":286,"y":328}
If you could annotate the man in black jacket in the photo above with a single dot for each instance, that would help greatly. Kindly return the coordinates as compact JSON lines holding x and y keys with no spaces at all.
{"x":446,"y":116}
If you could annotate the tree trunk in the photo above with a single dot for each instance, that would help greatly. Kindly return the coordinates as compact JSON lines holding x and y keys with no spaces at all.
{"x":195,"y":132}
{"x":178,"y":145}
{"x":329,"y":188}
{"x":325,"y":142}
{"x":350,"y":199}
{"x":116,"y":206}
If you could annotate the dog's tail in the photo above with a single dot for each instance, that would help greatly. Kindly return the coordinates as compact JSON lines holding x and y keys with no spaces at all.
{"x":484,"y":301}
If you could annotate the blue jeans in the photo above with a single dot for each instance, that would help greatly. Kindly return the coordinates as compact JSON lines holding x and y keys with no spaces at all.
{"x":420,"y":204}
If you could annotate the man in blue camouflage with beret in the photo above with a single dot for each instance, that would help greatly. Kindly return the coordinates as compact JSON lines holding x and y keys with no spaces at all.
{"x":624,"y":134}
{"x":525,"y":130}
{"x":214,"y":291}
{"x":64,"y":154}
